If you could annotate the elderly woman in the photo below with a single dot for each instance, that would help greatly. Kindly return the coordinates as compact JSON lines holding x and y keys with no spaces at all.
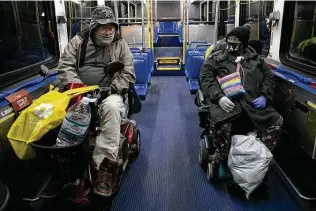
{"x":244,"y":110}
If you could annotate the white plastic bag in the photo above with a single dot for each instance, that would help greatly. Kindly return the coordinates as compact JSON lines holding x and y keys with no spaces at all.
{"x":249,"y":161}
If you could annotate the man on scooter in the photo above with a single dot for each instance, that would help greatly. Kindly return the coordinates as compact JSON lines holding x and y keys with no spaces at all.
{"x":83,"y":61}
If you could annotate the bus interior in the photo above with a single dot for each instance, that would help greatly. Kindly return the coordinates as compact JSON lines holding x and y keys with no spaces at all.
{"x":168,"y":40}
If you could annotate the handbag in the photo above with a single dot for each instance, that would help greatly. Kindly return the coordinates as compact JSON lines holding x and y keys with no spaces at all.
{"x":231,"y":84}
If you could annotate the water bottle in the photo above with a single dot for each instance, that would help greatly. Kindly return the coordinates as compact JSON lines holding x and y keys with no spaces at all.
{"x":75,"y":124}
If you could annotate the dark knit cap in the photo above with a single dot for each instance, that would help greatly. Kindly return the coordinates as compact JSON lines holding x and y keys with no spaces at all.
{"x":243,"y":33}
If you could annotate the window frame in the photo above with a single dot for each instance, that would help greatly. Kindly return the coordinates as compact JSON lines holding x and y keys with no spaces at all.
{"x":284,"y":53}
{"x":243,"y":9}
{"x":15,"y":76}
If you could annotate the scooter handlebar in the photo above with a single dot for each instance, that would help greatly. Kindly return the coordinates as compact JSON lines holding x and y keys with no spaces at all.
{"x":103,"y":92}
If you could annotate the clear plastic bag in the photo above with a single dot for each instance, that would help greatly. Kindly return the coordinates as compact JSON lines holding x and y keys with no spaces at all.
{"x":249,"y":161}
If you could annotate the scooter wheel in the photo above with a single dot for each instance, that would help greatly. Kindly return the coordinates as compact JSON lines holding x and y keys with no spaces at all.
{"x":203,"y":154}
{"x":212,"y":172}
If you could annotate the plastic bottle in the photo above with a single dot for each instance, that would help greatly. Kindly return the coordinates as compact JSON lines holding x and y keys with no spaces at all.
{"x":75,"y":124}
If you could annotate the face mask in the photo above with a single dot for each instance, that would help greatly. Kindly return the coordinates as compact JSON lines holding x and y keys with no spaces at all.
{"x":233,"y":47}
{"x":233,"y":44}
{"x":103,"y":40}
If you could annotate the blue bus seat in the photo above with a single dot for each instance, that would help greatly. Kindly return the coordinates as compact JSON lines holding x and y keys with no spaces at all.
{"x":149,"y":51}
{"x":75,"y":29}
{"x":148,"y":55}
{"x":156,"y":34}
{"x":175,"y":27}
{"x":135,"y":49}
{"x":141,"y":85}
{"x":168,"y":27}
{"x":180,"y":31}
{"x":195,"y":59}
{"x":194,"y":68}
{"x":199,"y":46}
{"x":193,"y":46}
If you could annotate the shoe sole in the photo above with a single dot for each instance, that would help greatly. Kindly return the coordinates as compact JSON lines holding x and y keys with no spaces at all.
{"x":48,"y":196}
{"x":102,"y":194}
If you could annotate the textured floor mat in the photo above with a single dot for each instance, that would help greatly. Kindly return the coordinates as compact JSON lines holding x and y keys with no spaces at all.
{"x":167,"y":175}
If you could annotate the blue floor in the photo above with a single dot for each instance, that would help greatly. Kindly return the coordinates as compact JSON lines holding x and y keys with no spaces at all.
{"x":167,"y":175}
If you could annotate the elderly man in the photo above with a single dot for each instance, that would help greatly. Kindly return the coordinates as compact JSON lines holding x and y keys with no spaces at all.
{"x":83,"y":62}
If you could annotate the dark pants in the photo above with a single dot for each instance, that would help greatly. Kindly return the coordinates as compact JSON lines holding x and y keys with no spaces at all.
{"x":222,"y":134}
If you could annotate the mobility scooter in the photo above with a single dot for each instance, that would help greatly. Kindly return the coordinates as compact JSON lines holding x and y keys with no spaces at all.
{"x":207,"y":149}
{"x":70,"y":166}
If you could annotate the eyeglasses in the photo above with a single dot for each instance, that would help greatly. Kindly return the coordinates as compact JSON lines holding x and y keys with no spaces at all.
{"x":105,"y":29}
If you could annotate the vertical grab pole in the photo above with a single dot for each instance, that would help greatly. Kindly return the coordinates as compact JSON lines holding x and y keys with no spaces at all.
{"x":207,"y":10}
{"x":249,"y":10}
{"x":187,"y":14}
{"x":128,"y":10}
{"x":237,"y":11}
{"x":181,"y":11}
{"x":136,"y":13}
{"x":116,"y":11}
{"x":184,"y":28}
{"x":143,"y":24}
{"x":148,"y":24}
{"x":151,"y":25}
{"x":156,"y":11}
{"x":216,"y":22}
{"x":201,"y":11}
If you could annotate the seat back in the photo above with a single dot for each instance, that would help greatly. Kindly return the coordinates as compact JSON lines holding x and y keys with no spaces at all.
{"x":141,"y":70}
{"x":195,"y":65}
{"x":180,"y":31}
{"x":257,"y":45}
{"x":155,"y":33}
{"x":198,"y":50}
{"x":168,"y":27}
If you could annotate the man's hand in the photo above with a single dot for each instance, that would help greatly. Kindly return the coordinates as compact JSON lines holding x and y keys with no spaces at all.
{"x":104,"y":92}
{"x":226,"y":104}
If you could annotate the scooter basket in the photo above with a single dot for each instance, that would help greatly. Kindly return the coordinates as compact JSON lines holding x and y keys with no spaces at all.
{"x":65,"y":163}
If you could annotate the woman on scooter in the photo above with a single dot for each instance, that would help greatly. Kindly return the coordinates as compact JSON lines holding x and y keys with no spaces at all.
{"x":245,"y":111}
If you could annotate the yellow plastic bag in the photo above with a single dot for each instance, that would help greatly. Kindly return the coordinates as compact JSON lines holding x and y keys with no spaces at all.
{"x":44,"y":114}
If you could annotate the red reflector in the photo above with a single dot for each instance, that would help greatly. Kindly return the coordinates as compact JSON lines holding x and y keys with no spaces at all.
{"x":272,"y":67}
{"x":313,"y":85}
{"x":130,"y":134}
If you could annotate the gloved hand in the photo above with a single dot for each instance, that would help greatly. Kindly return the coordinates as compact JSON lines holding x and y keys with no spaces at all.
{"x":260,"y":102}
{"x":226,"y":104}
{"x":104,"y":92}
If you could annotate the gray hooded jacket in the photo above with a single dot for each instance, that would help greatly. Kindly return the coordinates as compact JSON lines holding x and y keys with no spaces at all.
{"x":87,"y":67}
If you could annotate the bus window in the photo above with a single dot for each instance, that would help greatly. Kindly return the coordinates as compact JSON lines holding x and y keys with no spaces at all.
{"x":24,"y":39}
{"x":78,"y":16}
{"x":298,"y":42}
{"x":303,"y":37}
{"x":256,"y":14}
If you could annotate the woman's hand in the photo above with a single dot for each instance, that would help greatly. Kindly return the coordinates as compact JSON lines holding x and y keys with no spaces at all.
{"x":260,"y":102}
{"x":226,"y":104}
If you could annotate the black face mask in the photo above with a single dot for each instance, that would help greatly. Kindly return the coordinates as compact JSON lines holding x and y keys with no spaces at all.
{"x":233,"y":47}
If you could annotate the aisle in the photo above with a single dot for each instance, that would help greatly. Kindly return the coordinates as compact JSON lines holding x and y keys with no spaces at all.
{"x":167,"y":176}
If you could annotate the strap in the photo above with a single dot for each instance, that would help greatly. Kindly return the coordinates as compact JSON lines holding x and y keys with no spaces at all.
{"x":78,"y":91}
{"x":83,"y":50}
{"x":85,"y":37}
{"x":238,"y":67}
